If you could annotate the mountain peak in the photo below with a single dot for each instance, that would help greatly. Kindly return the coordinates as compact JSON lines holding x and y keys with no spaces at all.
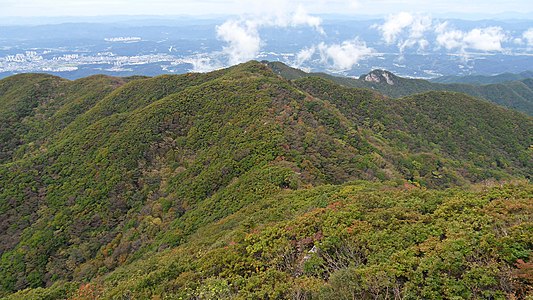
{"x":380,"y":76}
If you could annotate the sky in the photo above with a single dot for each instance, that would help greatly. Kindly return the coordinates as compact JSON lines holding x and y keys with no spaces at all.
{"x":54,"y":8}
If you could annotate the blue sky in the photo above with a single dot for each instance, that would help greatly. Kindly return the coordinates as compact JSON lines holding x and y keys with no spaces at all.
{"x":50,"y":8}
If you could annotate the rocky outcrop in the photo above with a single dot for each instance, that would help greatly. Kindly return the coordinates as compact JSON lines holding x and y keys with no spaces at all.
{"x":380,"y":76}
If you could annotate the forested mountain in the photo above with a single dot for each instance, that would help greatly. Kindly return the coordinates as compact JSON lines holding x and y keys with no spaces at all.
{"x":517,"y":94}
{"x":242,"y":184}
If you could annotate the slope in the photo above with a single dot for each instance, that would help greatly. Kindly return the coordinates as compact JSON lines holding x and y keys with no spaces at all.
{"x":172,"y":152}
{"x":151,"y":172}
{"x":357,"y":240}
{"x":433,"y":127}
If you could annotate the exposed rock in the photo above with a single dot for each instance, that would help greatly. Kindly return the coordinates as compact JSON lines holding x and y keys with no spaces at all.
{"x":380,"y":76}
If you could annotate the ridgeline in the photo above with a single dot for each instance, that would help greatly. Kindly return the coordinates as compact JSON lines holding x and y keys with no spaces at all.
{"x":244,"y":184}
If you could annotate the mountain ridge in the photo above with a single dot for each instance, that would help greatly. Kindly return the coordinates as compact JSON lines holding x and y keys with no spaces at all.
{"x":158,"y":186}
{"x":484,"y":79}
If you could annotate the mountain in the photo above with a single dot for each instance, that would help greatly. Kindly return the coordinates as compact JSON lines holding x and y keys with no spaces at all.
{"x":481,"y":79}
{"x":242,"y":184}
{"x":516,"y":95}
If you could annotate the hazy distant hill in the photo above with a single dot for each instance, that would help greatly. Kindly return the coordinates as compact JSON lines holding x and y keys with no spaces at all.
{"x":516,"y":95}
{"x":241,"y":184}
{"x":481,"y":79}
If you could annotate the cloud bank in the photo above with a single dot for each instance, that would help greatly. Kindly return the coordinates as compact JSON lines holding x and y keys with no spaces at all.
{"x":338,"y":57}
{"x":406,"y":29}
{"x":528,"y":37}
{"x":242,"y":38}
{"x":304,"y":55}
{"x":343,"y":56}
{"x":481,"y":39}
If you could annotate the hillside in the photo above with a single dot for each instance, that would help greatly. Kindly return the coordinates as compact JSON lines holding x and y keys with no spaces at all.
{"x":241,"y":184}
{"x":517,"y":95}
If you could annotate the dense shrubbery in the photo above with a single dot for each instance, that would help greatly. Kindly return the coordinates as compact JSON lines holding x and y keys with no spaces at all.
{"x":353,"y":240}
{"x":443,"y":137}
{"x":236,"y":183}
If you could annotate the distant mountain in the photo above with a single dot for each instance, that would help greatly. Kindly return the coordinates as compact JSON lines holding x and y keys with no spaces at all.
{"x":481,"y":79}
{"x":516,"y":95}
{"x":241,"y":184}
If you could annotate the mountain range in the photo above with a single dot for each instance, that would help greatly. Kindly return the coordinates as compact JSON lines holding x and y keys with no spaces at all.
{"x":483,"y":79}
{"x":510,"y":90}
{"x":261,"y":181}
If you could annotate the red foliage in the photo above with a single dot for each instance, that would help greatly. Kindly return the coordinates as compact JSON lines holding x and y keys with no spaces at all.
{"x":524,"y":270}
{"x":87,"y":292}
{"x":335,"y":205}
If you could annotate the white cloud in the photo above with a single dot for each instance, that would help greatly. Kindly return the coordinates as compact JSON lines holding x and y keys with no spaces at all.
{"x":242,"y":38}
{"x":337,"y":57}
{"x":518,"y":41}
{"x":344,"y":56}
{"x":441,"y":27}
{"x":304,"y":55}
{"x":409,"y":30}
{"x":451,"y":39}
{"x":528,"y":37}
{"x":394,"y":25}
{"x":301,"y":17}
{"x":482,"y":39}
{"x":420,"y":25}
{"x":203,"y":63}
{"x":485,"y":39}
{"x":279,"y":13}
{"x":406,"y":29}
